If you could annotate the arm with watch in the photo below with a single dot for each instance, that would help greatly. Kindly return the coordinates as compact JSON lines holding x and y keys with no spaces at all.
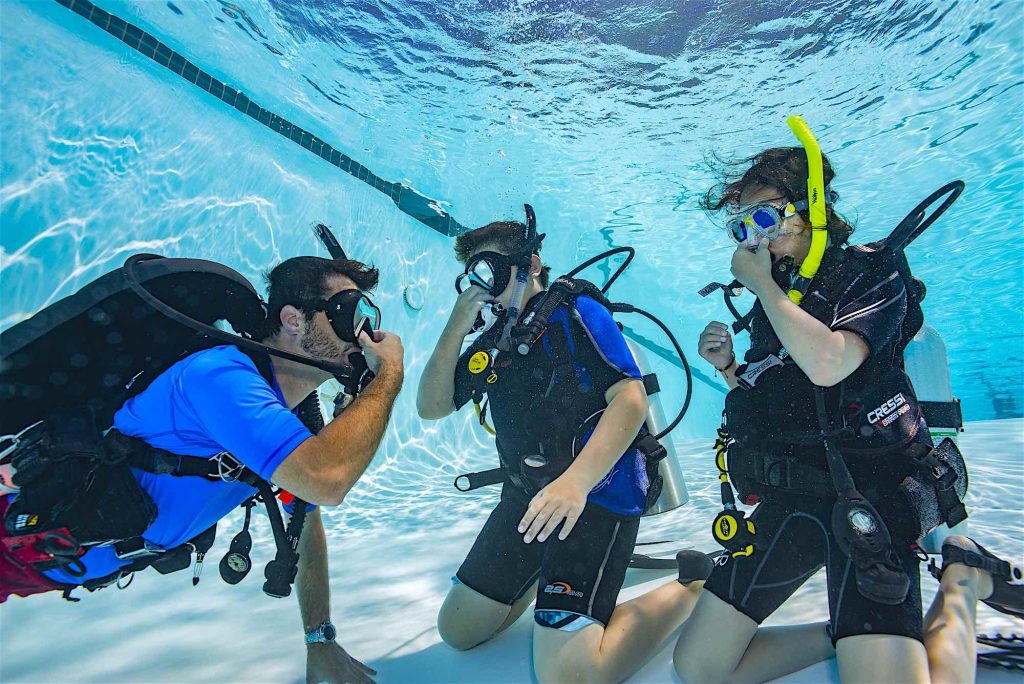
{"x":326,"y":660}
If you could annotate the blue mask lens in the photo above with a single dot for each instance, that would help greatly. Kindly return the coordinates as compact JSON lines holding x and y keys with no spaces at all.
{"x":737,"y":229}
{"x":767,"y":219}
{"x":482,"y":274}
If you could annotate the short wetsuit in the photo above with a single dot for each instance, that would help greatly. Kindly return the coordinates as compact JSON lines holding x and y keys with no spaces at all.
{"x":578,"y":579}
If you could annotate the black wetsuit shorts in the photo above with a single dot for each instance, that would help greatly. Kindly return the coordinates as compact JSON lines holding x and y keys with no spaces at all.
{"x":578,"y":578}
{"x":798,"y":541}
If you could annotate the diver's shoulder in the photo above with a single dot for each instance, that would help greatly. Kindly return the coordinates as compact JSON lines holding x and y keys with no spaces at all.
{"x":865,"y":268}
{"x":587,"y":305}
{"x":221,"y":357}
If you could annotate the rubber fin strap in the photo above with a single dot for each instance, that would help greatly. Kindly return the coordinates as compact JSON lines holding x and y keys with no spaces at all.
{"x":424,"y":209}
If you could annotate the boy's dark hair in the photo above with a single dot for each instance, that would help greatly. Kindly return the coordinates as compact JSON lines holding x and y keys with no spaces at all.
{"x":781,"y":168}
{"x":301,"y":281}
{"x":505,"y":236}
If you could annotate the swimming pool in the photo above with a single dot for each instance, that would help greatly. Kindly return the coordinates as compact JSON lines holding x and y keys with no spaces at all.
{"x":600,"y":114}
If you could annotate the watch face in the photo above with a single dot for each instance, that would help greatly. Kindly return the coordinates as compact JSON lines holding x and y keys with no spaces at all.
{"x":330,"y":632}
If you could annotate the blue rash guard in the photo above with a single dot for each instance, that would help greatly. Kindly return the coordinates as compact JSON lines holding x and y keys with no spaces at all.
{"x":534,"y":400}
{"x":210,"y":402}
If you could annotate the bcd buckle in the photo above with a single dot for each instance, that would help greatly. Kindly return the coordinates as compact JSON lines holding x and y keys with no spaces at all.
{"x":652,"y":449}
{"x":752,"y":371}
{"x":136,"y":547}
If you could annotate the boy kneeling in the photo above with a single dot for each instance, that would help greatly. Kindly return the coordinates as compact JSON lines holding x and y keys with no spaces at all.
{"x":565,"y":416}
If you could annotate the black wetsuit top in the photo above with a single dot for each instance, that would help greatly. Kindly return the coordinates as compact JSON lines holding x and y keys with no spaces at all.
{"x":778,"y":414}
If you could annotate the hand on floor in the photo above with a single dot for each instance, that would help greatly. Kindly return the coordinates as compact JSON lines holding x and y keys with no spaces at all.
{"x":331,"y":663}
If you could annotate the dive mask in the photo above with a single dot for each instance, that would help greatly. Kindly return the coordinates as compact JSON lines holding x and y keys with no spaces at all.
{"x":491,"y":271}
{"x":350,"y":313}
{"x":753,"y":223}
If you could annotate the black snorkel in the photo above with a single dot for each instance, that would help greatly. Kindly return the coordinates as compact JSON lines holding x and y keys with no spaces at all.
{"x":326,"y":237}
{"x":355,"y":379}
{"x":525,"y":261}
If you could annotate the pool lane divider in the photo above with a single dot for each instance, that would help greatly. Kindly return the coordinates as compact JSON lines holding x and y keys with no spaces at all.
{"x":407,"y":199}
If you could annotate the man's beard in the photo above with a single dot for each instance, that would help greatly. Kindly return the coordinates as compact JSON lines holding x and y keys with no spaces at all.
{"x":321,"y":347}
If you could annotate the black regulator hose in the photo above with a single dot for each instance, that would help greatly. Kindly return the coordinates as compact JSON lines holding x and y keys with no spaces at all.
{"x":629,"y":308}
{"x":915,"y":222}
{"x":245,"y":343}
{"x":629,"y":251}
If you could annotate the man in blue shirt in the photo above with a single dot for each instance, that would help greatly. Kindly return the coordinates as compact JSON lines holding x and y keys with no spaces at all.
{"x":217,"y":401}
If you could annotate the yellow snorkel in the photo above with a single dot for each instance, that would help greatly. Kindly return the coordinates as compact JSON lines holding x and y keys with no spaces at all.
{"x":816,"y":201}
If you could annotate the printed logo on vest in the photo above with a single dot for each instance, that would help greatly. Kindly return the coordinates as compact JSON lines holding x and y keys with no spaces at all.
{"x":889,"y":411}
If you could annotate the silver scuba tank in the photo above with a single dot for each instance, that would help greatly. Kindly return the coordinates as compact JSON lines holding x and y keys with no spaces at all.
{"x":927,"y":364}
{"x":673,"y":493}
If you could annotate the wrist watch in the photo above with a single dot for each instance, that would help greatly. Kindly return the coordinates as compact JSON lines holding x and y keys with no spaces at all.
{"x":324,"y":634}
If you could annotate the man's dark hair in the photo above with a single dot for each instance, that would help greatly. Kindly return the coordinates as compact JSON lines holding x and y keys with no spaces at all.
{"x":506,"y":236}
{"x":781,"y":168}
{"x":301,"y":281}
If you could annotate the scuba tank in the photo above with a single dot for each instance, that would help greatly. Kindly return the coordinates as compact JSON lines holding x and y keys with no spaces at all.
{"x":673,"y":493}
{"x":927,"y":364}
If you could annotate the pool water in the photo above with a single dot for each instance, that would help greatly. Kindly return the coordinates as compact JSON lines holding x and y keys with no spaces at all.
{"x":600,"y":114}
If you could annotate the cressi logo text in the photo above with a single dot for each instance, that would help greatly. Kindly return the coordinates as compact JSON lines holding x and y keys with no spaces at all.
{"x":889,"y":411}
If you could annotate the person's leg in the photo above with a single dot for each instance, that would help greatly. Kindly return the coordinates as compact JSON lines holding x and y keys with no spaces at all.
{"x":950,"y":628}
{"x":877,"y":642}
{"x":872,"y":658}
{"x":468,"y":618}
{"x":634,"y":633}
{"x":493,"y":586}
{"x":580,"y":634}
{"x":718,"y":643}
{"x":722,"y":641}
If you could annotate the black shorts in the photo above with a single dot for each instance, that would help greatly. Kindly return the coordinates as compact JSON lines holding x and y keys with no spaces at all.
{"x":579,"y":577}
{"x":798,"y":542}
